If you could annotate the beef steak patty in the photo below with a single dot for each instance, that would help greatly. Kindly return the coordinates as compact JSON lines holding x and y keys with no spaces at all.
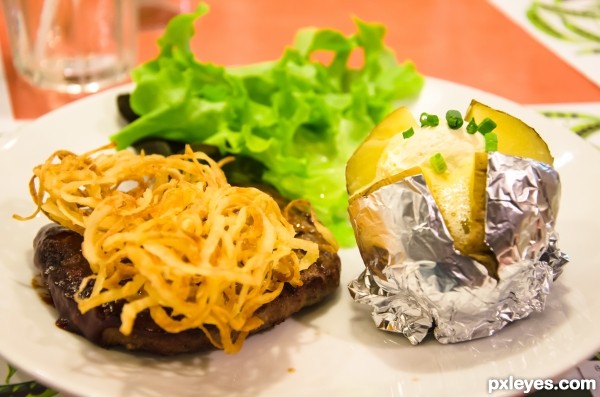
{"x":57,"y":255}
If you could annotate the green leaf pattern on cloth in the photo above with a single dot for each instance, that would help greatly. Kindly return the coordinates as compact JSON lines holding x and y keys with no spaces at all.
{"x":576,"y":21}
{"x":23,"y":389}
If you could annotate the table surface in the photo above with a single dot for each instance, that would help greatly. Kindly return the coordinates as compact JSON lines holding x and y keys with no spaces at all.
{"x":469,"y":42}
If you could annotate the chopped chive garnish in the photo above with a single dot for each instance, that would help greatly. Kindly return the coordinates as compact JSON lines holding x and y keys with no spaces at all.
{"x":429,"y":120}
{"x":454,"y":119}
{"x":472,"y":126}
{"x":486,"y":126}
{"x":491,"y":142}
{"x":408,"y":133}
{"x":438,"y":163}
{"x":433,"y":120}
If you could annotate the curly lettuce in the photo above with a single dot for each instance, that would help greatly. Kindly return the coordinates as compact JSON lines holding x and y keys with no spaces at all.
{"x":301,"y":118}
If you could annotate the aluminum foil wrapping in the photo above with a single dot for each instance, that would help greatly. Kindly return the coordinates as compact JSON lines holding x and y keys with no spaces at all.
{"x":414,"y":279}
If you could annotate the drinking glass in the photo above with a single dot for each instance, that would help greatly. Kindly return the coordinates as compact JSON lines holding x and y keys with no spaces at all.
{"x":73,"y":46}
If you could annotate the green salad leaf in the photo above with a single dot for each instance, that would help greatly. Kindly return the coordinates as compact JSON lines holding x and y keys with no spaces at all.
{"x":299,"y":117}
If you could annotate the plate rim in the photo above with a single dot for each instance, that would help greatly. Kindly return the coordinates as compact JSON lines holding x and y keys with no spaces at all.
{"x":112,"y":92}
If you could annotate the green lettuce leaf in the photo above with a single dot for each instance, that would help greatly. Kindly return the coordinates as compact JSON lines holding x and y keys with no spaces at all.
{"x":299,"y":117}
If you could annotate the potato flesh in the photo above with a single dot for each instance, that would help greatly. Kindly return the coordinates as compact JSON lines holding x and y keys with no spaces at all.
{"x":460,"y":195}
{"x":515,"y":138}
{"x":362,"y":165}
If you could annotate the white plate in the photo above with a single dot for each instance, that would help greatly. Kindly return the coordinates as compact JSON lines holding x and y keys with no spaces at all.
{"x":331,"y":350}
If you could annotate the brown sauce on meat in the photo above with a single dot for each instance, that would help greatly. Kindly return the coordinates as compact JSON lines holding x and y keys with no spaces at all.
{"x":37,"y":282}
{"x":40,"y":288}
{"x":58,"y":256}
{"x":63,"y":323}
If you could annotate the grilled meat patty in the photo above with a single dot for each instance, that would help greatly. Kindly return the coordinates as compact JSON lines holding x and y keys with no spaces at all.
{"x":57,"y":255}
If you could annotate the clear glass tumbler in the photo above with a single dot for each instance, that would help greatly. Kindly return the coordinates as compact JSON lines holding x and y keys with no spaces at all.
{"x":73,"y":46}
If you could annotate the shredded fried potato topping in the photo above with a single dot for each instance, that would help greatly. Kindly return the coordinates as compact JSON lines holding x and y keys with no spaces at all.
{"x":170,"y":235}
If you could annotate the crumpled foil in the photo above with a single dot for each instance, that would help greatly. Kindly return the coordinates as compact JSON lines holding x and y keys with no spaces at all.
{"x":414,"y":279}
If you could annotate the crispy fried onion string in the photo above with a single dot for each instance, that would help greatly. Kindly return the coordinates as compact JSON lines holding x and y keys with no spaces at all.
{"x":170,"y":235}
